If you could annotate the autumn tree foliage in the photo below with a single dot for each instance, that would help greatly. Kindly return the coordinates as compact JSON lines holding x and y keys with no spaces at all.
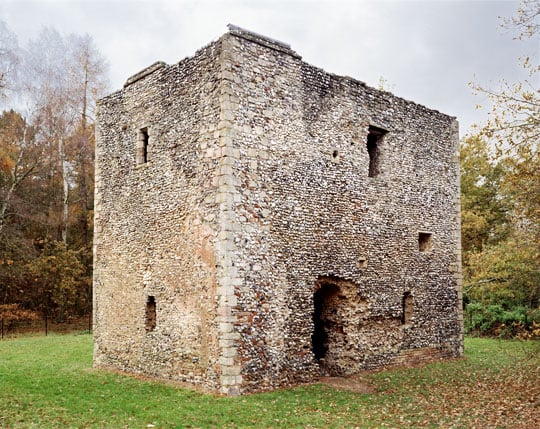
{"x":500,"y":250}
{"x":60,"y":286}
{"x":500,"y":194}
{"x":19,"y":158}
{"x":46,"y":172}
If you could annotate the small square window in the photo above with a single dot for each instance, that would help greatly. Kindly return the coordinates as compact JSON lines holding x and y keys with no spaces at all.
{"x":425,"y":241}
{"x":361,"y":263}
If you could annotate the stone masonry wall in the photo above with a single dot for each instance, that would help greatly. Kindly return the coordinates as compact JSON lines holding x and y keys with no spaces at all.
{"x":283,"y":223}
{"x":156,"y":222}
{"x":308,"y":215}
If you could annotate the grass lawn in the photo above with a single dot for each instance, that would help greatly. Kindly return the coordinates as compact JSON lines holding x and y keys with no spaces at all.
{"x":47,"y":382}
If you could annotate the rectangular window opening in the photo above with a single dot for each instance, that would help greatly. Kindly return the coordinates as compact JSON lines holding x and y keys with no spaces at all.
{"x":425,"y":241}
{"x":374,"y":139}
{"x":150,"y":314}
{"x":142,"y":146}
{"x":407,"y":308}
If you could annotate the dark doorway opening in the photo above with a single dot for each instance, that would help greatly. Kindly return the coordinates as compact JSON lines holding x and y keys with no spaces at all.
{"x":324,"y":307}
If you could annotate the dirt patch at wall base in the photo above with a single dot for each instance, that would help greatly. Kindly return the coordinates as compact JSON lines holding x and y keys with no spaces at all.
{"x":354,"y":383}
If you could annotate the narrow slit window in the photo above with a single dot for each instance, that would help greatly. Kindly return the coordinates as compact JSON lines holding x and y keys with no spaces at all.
{"x":142,"y":146}
{"x":407,"y":308}
{"x":150,"y":314}
{"x":374,"y":139}
{"x":425,"y":241}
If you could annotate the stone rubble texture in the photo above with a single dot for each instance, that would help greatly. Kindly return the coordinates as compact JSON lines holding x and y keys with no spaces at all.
{"x":254,"y":196}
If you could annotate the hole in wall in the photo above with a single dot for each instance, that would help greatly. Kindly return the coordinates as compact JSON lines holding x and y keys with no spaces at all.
{"x":425,"y":241}
{"x":150,"y":314}
{"x":361,"y":263}
{"x":143,"y":140}
{"x":407,"y":308}
{"x":335,"y":154}
{"x":374,"y":140}
{"x":338,"y":310}
{"x":324,"y":305}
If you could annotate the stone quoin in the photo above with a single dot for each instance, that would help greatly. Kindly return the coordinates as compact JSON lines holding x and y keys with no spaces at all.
{"x":260,"y":222}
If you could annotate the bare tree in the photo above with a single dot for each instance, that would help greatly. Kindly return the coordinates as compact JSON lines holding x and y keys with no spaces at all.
{"x":88,"y":78}
{"x":9,"y":58}
{"x":87,"y":75}
{"x":526,"y":20}
{"x":46,"y":169}
{"x":514,"y":120}
{"x":66,"y":75}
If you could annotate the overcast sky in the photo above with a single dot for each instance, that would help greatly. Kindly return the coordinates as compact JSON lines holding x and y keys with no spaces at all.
{"x":426,"y":51}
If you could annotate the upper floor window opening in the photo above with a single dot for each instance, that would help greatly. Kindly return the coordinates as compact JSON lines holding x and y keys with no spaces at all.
{"x":374,"y":139}
{"x":143,"y":140}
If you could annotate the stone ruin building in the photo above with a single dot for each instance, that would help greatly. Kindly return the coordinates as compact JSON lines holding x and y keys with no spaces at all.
{"x":260,"y":222}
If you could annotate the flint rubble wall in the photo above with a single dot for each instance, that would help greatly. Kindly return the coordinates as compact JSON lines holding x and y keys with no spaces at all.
{"x":257,"y":192}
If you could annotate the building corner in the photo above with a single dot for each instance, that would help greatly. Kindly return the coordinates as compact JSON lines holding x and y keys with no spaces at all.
{"x":226,"y":196}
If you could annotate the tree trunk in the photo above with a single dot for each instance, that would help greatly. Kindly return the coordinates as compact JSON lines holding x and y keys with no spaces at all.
{"x":65,"y":189}
{"x":16,"y":179}
{"x":85,"y":90}
{"x":4,"y":206}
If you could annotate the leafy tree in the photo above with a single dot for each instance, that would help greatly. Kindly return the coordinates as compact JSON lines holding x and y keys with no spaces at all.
{"x":484,"y":211}
{"x":10,"y":313}
{"x":514,"y":122}
{"x":46,"y":173}
{"x":522,"y":184}
{"x":59,"y":284}
{"x":507,"y":273}
{"x":20,"y":157}
{"x":501,"y":198}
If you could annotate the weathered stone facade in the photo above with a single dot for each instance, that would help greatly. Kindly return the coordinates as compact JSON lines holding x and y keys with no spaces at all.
{"x":260,"y":221}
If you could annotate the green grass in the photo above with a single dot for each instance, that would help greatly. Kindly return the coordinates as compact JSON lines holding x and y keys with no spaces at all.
{"x":47,"y":382}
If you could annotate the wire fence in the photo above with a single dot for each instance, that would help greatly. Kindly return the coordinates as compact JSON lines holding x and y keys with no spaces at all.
{"x":16,"y":328}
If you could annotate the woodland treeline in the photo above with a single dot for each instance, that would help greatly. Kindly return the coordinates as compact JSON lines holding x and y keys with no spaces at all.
{"x":500,"y":198}
{"x":46,"y":186}
{"x":47,"y":173}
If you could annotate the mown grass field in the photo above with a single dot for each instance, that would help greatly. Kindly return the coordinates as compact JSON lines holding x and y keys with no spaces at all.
{"x":47,"y":382}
